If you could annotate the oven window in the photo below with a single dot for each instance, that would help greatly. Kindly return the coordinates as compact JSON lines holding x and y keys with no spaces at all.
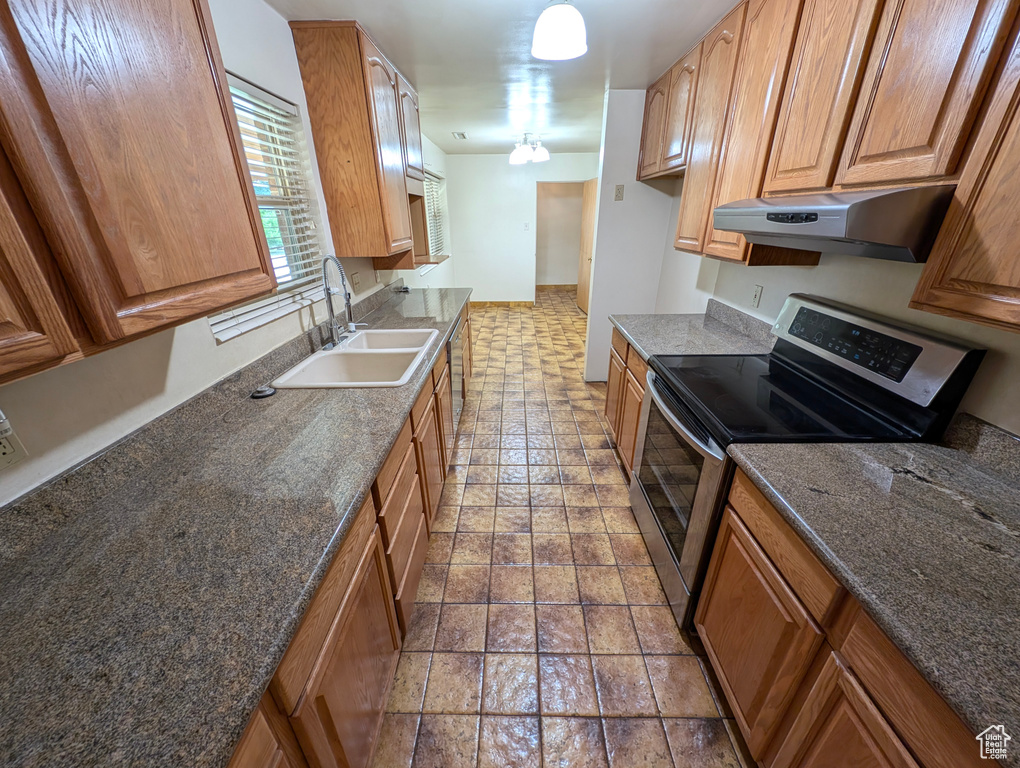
{"x":669,"y":473}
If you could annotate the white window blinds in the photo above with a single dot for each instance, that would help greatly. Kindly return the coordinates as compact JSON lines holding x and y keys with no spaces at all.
{"x":278,"y":161}
{"x":435,"y":213}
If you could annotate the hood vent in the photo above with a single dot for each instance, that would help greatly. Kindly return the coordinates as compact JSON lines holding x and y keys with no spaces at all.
{"x":892,"y":224}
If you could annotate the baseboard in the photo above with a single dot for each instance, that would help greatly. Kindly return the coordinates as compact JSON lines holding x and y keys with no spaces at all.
{"x":556,"y":287}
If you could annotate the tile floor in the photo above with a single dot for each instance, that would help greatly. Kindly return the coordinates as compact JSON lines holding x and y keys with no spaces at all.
{"x":541,"y":636}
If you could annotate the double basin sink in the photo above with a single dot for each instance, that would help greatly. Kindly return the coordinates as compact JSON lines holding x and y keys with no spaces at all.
{"x":377,"y":358}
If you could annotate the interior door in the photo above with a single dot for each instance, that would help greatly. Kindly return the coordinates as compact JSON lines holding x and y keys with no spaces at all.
{"x":589,"y":203}
{"x":125,"y":140}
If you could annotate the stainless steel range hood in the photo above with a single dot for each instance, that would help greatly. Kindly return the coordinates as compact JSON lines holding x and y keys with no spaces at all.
{"x":893,"y":224}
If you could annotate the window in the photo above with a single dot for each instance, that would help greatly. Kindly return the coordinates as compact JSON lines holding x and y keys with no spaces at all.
{"x":280,"y":167}
{"x":435,"y":213}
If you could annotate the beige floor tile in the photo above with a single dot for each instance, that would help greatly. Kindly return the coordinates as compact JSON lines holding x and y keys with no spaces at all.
{"x":612,"y":495}
{"x":471,"y":549}
{"x":467,"y":584}
{"x":513,"y":520}
{"x":544,"y":475}
{"x":422,"y":626}
{"x":620,"y":520}
{"x":567,"y":686}
{"x":477,"y":519}
{"x":610,"y":630}
{"x":657,"y":630}
{"x":630,"y":549}
{"x":445,"y":520}
{"x":395,"y":748}
{"x":512,"y":584}
{"x":454,"y":684}
{"x":513,"y":495}
{"x":697,"y":743}
{"x":592,"y":549}
{"x":556,"y":584}
{"x":461,"y":628}
{"x":484,"y":456}
{"x":512,"y":549}
{"x":575,"y":475}
{"x":623,"y":686}
{"x":571,"y":457}
{"x":680,"y":687}
{"x":509,"y":742}
{"x":549,"y":520}
{"x":561,"y":629}
{"x":409,"y":681}
{"x":440,"y":548}
{"x":642,"y":585}
{"x":633,"y":742}
{"x":552,"y":549}
{"x":608,"y":475}
{"x":481,"y":474}
{"x":570,"y":742}
{"x":447,"y":741}
{"x":432,"y":584}
{"x":580,"y":496}
{"x":452,"y":494}
{"x":511,"y":684}
{"x":513,"y":474}
{"x":514,"y":456}
{"x":511,"y":628}
{"x":479,"y":495}
{"x":585,"y":520}
{"x":600,"y":585}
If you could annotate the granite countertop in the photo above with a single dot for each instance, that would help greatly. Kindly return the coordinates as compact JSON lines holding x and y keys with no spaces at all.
{"x":928,"y":540}
{"x":720,"y":331}
{"x":148,"y":597}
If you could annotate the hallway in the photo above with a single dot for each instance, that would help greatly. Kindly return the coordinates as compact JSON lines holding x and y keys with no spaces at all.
{"x":541,"y":635}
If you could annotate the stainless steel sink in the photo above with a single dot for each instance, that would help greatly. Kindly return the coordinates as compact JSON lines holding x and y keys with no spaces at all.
{"x":339,"y":368}
{"x":416,"y":338}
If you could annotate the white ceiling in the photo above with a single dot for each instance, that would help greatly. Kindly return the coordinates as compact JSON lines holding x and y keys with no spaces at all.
{"x":471,"y":63}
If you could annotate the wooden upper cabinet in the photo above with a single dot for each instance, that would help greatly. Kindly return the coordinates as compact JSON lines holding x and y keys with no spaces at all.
{"x":118,"y":123}
{"x":33,"y":331}
{"x":924,"y":83}
{"x":828,"y":61}
{"x":838,"y":726}
{"x":973,"y":271}
{"x":711,"y":105}
{"x":679,"y":121}
{"x":652,"y":127}
{"x":760,"y":638}
{"x":765,"y":54}
{"x":414,"y":161}
{"x":355,"y":114}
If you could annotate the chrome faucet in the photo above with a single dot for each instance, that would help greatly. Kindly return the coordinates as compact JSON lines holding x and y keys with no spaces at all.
{"x":334,"y":329}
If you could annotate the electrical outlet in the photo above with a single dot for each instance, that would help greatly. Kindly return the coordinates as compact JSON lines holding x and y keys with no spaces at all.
{"x":11,"y":450}
{"x":356,"y":281}
{"x":527,"y":226}
{"x":756,"y":299}
{"x":618,"y":196}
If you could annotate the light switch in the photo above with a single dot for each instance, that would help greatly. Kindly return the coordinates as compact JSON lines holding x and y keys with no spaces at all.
{"x":618,"y":197}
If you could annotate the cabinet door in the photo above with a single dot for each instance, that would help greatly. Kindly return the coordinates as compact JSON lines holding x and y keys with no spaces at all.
{"x":630,"y":414}
{"x":758,"y":636}
{"x":679,"y":121}
{"x":614,"y":392}
{"x":828,"y":60}
{"x":429,"y":456}
{"x":444,"y":406}
{"x":341,"y":710}
{"x":135,"y":171}
{"x":33,"y":331}
{"x":384,"y":108}
{"x":925,"y":80}
{"x":711,"y":106}
{"x":838,"y":726}
{"x":414,"y":162}
{"x":651,"y":131}
{"x":973,"y":271}
{"x":765,"y":54}
{"x":268,"y":741}
{"x":469,"y":360}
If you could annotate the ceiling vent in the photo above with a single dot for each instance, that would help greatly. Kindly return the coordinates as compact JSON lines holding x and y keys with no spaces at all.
{"x":460,"y":135}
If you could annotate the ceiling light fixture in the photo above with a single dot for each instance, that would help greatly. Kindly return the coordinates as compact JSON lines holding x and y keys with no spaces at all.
{"x":529,"y":150}
{"x":559,"y":33}
{"x":540,"y":153}
{"x":521,"y":154}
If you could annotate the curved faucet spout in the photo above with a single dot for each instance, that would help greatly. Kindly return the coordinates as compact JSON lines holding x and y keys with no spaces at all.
{"x":334,"y":328}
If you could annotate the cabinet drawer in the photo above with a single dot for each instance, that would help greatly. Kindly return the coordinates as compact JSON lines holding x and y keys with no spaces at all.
{"x":384,"y":481}
{"x":294,"y":670}
{"x":437,"y":369}
{"x":620,"y":345}
{"x":811,"y":580}
{"x":390,"y":514}
{"x":399,"y":551}
{"x":637,"y":367}
{"x":412,"y":575}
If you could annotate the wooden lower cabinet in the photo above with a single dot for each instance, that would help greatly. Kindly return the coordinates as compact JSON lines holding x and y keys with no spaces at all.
{"x":625,"y":394}
{"x":759,"y":637}
{"x":614,"y":392}
{"x":341,"y":710}
{"x":838,"y":726}
{"x":630,"y":415}
{"x":268,"y":741}
{"x":444,"y":407}
{"x":430,"y":460}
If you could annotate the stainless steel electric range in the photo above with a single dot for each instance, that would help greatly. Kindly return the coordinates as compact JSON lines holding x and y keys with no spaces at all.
{"x":835,"y":374}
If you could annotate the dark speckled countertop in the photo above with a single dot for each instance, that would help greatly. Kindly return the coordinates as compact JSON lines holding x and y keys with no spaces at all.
{"x":148,"y":597}
{"x":927,"y":538}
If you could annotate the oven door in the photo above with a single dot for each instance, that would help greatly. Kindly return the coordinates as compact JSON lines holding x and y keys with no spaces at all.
{"x":677,"y":493}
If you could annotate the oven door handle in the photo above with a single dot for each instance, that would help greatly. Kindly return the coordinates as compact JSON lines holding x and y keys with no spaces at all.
{"x":709,"y":450}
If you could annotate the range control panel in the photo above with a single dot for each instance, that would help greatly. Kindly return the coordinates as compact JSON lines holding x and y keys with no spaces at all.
{"x":885,"y":355}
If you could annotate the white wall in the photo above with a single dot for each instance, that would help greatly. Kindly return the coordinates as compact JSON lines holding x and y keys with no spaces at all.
{"x":629,"y":234}
{"x":493,"y":216}
{"x":558,"y":232}
{"x":66,"y":414}
{"x":687,"y":280}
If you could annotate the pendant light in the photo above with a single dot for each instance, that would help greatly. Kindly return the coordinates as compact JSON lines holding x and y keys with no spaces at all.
{"x":559,"y":33}
{"x":540,"y":153}
{"x":522,"y":153}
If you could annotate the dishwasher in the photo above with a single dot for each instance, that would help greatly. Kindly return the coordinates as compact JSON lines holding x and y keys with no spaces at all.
{"x":455,"y":350}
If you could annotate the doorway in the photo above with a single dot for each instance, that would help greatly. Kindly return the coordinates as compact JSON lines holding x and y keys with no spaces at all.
{"x":563,"y":237}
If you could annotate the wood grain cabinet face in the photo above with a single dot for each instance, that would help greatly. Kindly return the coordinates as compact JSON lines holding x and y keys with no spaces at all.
{"x":679,"y":120}
{"x":429,"y":454}
{"x":614,"y":392}
{"x":973,"y":271}
{"x":652,"y":128}
{"x":924,"y":83}
{"x":444,"y":406}
{"x":766,"y":44}
{"x":828,"y":61}
{"x":630,"y":414}
{"x":33,"y":331}
{"x":838,"y":726}
{"x":340,"y":713}
{"x":414,"y":162}
{"x":711,"y":105}
{"x":759,"y":637}
{"x":135,"y":171}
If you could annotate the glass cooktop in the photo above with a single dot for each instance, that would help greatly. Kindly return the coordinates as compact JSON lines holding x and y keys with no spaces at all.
{"x":757,"y":398}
